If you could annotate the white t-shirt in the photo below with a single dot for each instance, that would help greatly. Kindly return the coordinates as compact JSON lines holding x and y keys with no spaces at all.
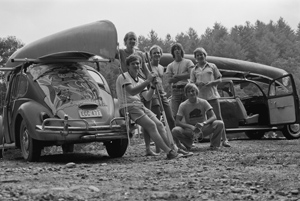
{"x":124,"y":98}
{"x":178,"y":68}
{"x":194,"y":112}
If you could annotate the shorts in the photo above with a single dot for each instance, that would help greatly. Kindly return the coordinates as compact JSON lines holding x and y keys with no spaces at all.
{"x":138,"y":111}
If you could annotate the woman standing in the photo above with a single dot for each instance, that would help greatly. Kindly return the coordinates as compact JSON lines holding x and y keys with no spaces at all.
{"x":207,"y":76}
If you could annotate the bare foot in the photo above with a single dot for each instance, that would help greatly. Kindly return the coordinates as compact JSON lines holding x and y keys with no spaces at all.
{"x":151,"y":153}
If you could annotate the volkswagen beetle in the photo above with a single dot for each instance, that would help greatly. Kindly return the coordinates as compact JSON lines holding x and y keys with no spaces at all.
{"x":54,"y":98}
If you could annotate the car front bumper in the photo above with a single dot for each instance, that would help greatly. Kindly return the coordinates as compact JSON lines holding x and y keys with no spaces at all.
{"x":85,"y":133}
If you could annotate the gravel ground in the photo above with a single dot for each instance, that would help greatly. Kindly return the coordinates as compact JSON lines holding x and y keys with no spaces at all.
{"x":249,"y":170}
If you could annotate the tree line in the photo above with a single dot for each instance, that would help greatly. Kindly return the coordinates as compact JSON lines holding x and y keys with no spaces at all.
{"x":274,"y":43}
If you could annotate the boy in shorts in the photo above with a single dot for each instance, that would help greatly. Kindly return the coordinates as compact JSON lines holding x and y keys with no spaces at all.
{"x":129,"y":87}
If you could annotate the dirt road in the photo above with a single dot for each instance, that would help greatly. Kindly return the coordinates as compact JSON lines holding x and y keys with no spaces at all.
{"x":250,"y":170}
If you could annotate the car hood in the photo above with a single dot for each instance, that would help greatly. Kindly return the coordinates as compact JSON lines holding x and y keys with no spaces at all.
{"x":70,"y":90}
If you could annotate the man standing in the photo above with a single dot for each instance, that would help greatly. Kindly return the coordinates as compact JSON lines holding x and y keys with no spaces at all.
{"x":178,"y":73}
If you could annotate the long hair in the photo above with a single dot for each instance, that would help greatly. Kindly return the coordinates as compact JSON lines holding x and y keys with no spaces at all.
{"x":190,"y":86}
{"x":177,"y":45}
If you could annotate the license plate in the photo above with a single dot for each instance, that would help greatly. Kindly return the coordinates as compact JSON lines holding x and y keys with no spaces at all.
{"x":90,"y":113}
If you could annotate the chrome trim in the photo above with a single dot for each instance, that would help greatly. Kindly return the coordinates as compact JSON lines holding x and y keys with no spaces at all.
{"x":65,"y":129}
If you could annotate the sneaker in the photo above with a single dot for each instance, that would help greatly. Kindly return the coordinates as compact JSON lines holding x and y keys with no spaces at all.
{"x":185,"y":153}
{"x":173,"y":155}
{"x":226,"y":144}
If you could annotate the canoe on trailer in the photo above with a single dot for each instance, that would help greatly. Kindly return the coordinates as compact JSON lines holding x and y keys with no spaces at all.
{"x":97,"y":38}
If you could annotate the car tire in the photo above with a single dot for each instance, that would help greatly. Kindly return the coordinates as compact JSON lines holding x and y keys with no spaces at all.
{"x":67,"y":148}
{"x":116,"y":148}
{"x":30,"y":148}
{"x":255,"y":135}
{"x":291,"y":131}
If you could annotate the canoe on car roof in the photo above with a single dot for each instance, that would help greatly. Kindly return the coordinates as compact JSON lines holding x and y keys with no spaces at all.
{"x":97,"y":38}
{"x":235,"y":68}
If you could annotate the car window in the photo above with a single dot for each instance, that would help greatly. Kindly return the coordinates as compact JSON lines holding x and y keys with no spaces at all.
{"x":19,"y":86}
{"x":264,"y":86}
{"x":14,"y":87}
{"x":277,"y":89}
{"x":247,"y":89}
{"x":22,"y":86}
{"x":225,"y":89}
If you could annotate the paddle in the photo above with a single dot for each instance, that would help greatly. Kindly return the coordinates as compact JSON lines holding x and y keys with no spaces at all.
{"x":169,"y":133}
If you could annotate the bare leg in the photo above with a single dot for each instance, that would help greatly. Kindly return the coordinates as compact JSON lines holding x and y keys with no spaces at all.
{"x":151,"y":128}
{"x":147,"y":139}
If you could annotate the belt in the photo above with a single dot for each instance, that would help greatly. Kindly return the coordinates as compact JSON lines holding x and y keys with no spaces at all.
{"x":178,"y":86}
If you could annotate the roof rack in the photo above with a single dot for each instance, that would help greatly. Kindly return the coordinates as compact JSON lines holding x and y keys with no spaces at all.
{"x":91,"y":59}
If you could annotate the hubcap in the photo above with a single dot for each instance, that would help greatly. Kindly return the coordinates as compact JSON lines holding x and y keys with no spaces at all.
{"x":294,"y":128}
{"x":25,"y":142}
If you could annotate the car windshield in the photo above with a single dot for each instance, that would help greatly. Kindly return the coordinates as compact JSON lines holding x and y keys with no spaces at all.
{"x":65,"y":83}
{"x":244,"y":89}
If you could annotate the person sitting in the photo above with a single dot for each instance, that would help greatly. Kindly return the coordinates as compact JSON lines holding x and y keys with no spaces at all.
{"x":129,"y":87}
{"x":199,"y":118}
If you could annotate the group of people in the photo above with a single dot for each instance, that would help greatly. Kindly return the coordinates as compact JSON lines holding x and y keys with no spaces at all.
{"x":194,"y":107}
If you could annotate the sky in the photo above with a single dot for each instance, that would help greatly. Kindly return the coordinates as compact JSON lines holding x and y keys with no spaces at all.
{"x":30,"y":20}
